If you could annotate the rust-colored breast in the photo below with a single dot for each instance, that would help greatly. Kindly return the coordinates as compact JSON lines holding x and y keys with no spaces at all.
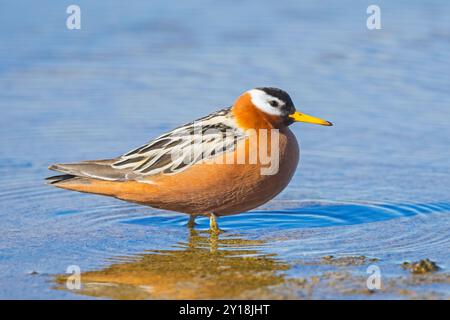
{"x":220,"y":188}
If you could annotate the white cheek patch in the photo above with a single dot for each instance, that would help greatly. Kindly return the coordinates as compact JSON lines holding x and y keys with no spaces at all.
{"x":261,"y":100}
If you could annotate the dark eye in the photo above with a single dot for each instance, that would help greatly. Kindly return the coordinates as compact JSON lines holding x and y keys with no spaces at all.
{"x":273,"y":103}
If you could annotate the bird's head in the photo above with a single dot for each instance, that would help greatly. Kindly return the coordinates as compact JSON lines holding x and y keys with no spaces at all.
{"x":274,"y":106}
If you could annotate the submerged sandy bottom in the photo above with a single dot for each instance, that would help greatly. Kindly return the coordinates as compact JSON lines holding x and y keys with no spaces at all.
{"x":281,"y":259}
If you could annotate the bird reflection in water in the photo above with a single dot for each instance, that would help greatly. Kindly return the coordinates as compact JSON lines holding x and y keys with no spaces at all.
{"x":205,"y":267}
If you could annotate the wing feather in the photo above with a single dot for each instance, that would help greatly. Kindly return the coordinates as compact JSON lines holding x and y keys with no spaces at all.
{"x":184,"y":146}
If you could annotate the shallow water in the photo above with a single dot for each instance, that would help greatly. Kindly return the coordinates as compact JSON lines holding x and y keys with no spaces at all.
{"x":374,"y":185}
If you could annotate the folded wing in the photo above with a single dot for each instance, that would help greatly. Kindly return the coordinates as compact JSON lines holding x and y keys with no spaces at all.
{"x":169,"y":153}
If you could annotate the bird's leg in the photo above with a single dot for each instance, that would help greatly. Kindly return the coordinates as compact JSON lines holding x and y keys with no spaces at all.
{"x":213,"y":227}
{"x":191,"y":223}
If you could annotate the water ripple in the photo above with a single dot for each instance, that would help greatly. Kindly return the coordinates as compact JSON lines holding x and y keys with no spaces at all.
{"x":308,"y":214}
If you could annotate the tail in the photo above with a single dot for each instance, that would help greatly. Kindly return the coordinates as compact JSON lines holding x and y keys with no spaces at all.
{"x":96,"y":176}
{"x":59,"y":178}
{"x":95,"y":169}
{"x":99,"y":177}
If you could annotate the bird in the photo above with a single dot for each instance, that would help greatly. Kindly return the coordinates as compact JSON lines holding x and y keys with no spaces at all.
{"x":213,"y":166}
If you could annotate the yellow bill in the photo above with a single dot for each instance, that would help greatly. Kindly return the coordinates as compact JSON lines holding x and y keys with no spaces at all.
{"x":301,"y":117}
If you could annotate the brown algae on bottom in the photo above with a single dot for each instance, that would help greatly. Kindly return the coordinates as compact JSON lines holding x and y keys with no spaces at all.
{"x":347,"y":260}
{"x":421,"y":267}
